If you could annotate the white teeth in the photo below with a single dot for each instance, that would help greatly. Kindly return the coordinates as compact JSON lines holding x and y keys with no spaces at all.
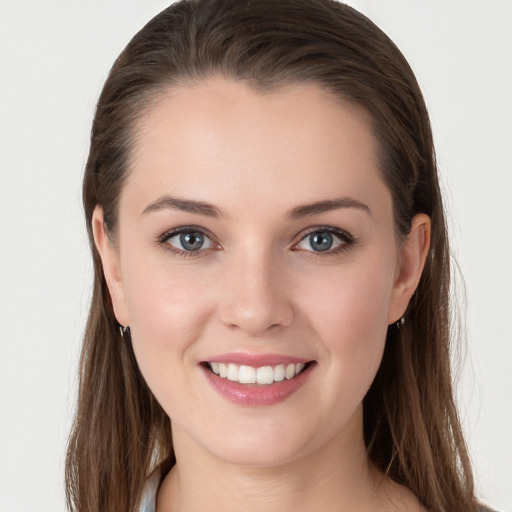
{"x":279,"y":373}
{"x":264,"y":375}
{"x":233,"y":371}
{"x":290,"y":371}
{"x":247,"y":375}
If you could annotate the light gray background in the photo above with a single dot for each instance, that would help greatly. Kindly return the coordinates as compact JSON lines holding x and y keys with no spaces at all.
{"x":54,"y":57}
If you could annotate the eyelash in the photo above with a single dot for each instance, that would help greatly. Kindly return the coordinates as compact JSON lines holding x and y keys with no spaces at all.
{"x":347,"y":240}
{"x":162,"y":240}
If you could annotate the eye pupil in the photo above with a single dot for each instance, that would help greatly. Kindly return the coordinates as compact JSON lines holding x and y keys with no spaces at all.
{"x":321,"y":241}
{"x":192,"y":241}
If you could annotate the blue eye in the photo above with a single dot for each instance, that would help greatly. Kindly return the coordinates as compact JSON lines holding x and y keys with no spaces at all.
{"x":192,"y":241}
{"x":328,"y":241}
{"x":187,"y":240}
{"x":321,"y":241}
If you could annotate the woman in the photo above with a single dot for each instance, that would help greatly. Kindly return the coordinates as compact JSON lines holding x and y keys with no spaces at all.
{"x":269,"y":326}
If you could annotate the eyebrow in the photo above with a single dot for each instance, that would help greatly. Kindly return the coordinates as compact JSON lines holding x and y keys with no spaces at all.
{"x":168,"y":202}
{"x":186,"y":205}
{"x":327,"y":205}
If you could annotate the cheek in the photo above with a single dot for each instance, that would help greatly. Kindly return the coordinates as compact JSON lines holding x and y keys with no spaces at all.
{"x":164,"y":297}
{"x":168,"y":311}
{"x":349,"y":316}
{"x":348,"y":302}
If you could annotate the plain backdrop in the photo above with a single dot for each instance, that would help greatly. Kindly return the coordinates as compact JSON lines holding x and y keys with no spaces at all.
{"x":54,"y":57}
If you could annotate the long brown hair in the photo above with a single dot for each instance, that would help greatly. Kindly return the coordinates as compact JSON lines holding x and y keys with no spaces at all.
{"x":411,"y":427}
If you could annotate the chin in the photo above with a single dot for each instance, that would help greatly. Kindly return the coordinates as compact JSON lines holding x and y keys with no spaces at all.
{"x":258,"y":456}
{"x":262,"y":447}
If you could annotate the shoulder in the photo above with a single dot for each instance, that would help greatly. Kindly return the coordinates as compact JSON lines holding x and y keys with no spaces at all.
{"x":483,"y":508}
{"x":148,"y":500}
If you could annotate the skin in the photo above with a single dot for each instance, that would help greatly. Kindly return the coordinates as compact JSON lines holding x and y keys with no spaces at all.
{"x":258,"y":286}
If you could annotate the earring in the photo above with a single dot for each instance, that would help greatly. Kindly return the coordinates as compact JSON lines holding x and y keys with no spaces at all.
{"x":399,"y":323}
{"x":124,"y":330}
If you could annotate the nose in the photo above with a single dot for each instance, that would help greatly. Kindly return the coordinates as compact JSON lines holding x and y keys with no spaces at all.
{"x":256,"y":296}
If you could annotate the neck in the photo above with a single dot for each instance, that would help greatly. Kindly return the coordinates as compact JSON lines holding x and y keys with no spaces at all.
{"x":337,"y":476}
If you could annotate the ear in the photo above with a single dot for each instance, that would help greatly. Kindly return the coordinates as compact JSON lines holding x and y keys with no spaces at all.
{"x":413,"y":254}
{"x":111,"y":266}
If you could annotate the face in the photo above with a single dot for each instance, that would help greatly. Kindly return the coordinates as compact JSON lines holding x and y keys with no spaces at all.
{"x":256,"y":239}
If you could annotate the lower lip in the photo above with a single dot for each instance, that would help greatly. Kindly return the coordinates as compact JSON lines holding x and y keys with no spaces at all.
{"x":254,"y":394}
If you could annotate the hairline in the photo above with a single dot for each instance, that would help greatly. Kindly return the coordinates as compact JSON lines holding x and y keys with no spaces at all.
{"x":151,"y":97}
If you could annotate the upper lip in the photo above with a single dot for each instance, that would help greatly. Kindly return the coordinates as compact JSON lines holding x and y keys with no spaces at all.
{"x":255,"y":360}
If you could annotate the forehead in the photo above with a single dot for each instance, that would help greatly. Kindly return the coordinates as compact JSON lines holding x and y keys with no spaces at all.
{"x":220,"y":140}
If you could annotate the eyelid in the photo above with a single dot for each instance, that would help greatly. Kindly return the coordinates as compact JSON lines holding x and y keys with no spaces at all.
{"x":183,"y":229}
{"x":165,"y":237}
{"x":347,"y":240}
{"x":345,"y":237}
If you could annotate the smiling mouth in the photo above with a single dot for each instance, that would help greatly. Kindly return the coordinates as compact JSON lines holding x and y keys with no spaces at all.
{"x":263,"y":376}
